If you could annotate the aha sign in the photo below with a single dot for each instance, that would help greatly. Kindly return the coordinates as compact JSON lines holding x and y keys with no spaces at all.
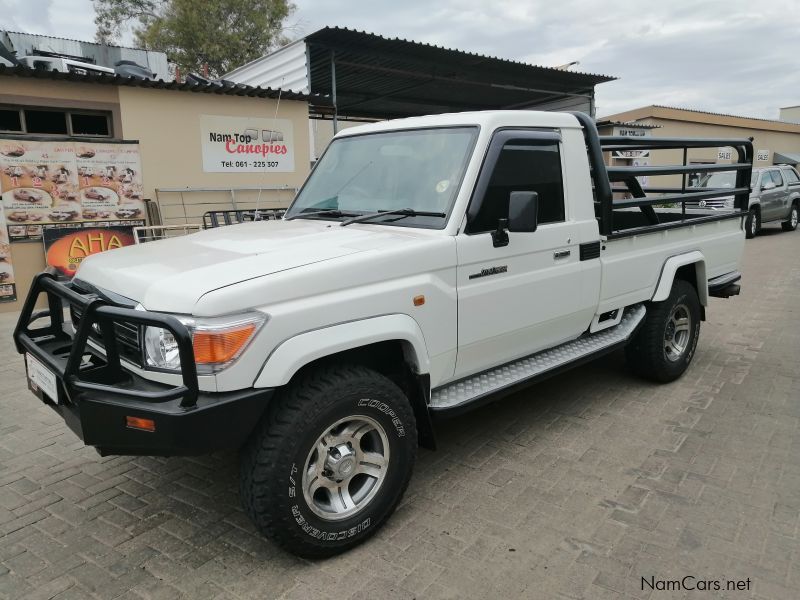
{"x":66,"y":247}
{"x":246,"y":144}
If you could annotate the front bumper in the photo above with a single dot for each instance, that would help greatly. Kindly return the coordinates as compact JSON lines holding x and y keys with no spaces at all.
{"x":95,"y":395}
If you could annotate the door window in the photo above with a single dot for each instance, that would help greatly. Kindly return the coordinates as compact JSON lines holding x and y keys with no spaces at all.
{"x":791,"y":175}
{"x":523,"y":165}
{"x":776,"y":177}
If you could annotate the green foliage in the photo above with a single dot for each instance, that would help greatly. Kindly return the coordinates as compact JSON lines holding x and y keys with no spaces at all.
{"x":222,"y":34}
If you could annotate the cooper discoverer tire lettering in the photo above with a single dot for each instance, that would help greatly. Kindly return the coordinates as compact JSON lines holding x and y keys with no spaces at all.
{"x":330,"y":461}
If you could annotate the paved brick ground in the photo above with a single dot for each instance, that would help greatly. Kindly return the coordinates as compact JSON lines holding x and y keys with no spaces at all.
{"x":576,"y":488}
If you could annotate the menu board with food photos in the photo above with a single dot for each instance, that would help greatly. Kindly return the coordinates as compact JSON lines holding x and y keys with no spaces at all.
{"x":68,"y":182}
{"x":8,"y":288}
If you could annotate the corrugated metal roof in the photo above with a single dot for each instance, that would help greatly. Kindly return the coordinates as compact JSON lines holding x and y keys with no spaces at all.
{"x":106,"y":55}
{"x":379,"y":77}
{"x":717,"y":114}
{"x":56,"y":37}
{"x":660,"y":111}
{"x":607,"y":123}
{"x":227,"y":89}
{"x":343,"y":36}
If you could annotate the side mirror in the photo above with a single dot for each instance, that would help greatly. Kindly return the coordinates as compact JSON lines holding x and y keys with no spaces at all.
{"x":769,"y":185}
{"x":523,"y":211}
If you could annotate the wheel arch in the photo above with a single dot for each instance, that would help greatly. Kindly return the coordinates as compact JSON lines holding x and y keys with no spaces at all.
{"x":690,"y":267}
{"x":392,"y":345}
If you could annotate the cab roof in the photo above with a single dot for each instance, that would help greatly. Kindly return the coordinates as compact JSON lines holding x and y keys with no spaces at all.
{"x":489,"y":119}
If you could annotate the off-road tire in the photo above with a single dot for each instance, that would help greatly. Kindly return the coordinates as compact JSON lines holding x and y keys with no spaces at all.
{"x":790,"y":224}
{"x":752,"y":224}
{"x":273,"y":460}
{"x":647,"y":354}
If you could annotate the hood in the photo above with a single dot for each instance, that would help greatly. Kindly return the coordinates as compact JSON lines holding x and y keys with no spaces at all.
{"x":172,"y":275}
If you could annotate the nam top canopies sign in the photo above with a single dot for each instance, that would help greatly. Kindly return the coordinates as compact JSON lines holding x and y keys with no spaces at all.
{"x":246,"y":145}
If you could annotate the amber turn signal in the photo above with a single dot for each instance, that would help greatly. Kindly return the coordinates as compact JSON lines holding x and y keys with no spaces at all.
{"x":221,"y":345}
{"x":419,"y":300}
{"x":139,"y":423}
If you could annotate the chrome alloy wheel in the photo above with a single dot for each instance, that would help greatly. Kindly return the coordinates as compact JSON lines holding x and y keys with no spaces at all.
{"x":346,"y":467}
{"x":677,"y":332}
{"x":793,"y":218}
{"x":754,"y":224}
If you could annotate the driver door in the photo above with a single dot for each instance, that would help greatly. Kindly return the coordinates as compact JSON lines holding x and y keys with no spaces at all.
{"x":519,"y":298}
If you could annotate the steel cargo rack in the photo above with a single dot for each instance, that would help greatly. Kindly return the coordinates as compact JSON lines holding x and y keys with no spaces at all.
{"x":616,"y":222}
{"x":220,"y":218}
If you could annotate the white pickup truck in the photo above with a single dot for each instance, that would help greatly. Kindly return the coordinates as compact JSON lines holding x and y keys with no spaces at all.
{"x":426,"y":266}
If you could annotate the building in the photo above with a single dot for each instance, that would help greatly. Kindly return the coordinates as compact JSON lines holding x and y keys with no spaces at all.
{"x":184,"y":144}
{"x":368,"y":76}
{"x":774,"y":142}
{"x":791,"y":114}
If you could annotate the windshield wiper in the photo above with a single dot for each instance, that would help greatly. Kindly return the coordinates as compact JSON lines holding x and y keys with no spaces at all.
{"x":328,"y":212}
{"x":405,"y":212}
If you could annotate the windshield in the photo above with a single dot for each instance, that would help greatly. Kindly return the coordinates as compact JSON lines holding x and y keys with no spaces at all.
{"x":419,"y":170}
{"x":724,"y":179}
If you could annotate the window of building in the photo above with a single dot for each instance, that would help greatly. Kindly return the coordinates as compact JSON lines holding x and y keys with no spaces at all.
{"x":46,"y":121}
{"x":89,"y":124}
{"x":524,"y":165}
{"x":54,"y":121}
{"x":10,"y":120}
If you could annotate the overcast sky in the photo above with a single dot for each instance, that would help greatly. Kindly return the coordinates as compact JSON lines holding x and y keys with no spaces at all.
{"x":735,"y":56}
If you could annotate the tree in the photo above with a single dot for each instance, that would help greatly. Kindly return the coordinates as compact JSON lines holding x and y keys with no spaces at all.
{"x":222,"y":34}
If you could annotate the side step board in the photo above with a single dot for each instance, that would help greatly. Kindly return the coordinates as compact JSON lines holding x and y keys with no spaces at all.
{"x":464,"y":394}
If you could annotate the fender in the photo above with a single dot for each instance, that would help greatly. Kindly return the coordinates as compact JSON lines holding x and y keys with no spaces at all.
{"x":296,"y":352}
{"x":671,"y":267}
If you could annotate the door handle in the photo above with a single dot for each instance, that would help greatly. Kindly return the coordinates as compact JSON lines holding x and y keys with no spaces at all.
{"x":561,"y":254}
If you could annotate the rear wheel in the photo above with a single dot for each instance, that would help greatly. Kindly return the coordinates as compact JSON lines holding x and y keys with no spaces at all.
{"x":753,"y":223}
{"x":331,"y":461}
{"x":790,"y":224}
{"x":664,"y":345}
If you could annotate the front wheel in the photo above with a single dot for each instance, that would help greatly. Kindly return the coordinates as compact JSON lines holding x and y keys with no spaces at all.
{"x":790,"y":224}
{"x":752,"y":224}
{"x":664,"y":345}
{"x":330,"y":462}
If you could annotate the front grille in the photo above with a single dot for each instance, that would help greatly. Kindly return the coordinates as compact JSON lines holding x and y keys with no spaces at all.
{"x":716,"y":203}
{"x":127,"y":335}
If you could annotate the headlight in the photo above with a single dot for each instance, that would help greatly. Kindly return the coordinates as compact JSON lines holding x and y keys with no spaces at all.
{"x":161,"y":349}
{"x":217,"y":342}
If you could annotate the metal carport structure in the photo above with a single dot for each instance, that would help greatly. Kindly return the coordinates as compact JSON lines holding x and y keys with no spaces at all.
{"x":368,"y":76}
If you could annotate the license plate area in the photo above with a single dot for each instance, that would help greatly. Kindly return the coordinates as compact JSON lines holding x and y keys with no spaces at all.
{"x":41,"y":379}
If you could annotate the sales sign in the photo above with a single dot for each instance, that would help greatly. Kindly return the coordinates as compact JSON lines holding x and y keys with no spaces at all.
{"x":246,"y":144}
{"x":762,"y":155}
{"x":724,"y":154}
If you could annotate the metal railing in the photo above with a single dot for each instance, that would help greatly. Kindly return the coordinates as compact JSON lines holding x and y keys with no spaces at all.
{"x":189,"y":205}
{"x":152,"y":233}
{"x":604,"y":176}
